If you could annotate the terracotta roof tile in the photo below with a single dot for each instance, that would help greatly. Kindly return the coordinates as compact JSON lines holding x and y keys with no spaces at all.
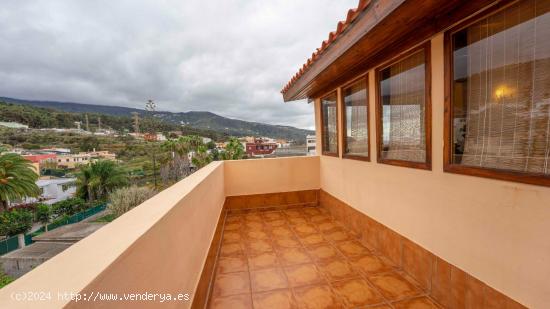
{"x":340,"y":28}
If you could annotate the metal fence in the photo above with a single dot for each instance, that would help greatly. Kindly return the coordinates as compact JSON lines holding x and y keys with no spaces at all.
{"x":11,"y":243}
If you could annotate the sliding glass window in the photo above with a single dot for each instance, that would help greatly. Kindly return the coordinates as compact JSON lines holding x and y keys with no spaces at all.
{"x":403,"y":120}
{"x":329,"y":121}
{"x":498,"y":124}
{"x":356,"y":119}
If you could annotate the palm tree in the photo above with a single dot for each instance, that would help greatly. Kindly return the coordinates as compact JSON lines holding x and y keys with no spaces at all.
{"x":100,"y":178}
{"x":234,"y":150}
{"x":201,"y":157}
{"x":17,"y":179}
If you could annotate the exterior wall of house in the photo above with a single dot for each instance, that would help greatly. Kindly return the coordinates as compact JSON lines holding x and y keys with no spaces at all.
{"x":497,"y":231}
{"x":259,"y":176}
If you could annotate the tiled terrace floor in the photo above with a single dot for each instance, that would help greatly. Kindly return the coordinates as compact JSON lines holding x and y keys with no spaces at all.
{"x":302,"y":258}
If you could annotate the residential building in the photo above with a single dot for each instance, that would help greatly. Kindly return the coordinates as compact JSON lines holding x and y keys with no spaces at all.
{"x":54,"y":190}
{"x":102,"y":154}
{"x":71,"y":161}
{"x":311,"y":144}
{"x":260,"y":147}
{"x":40,"y":161}
{"x":430,"y":188}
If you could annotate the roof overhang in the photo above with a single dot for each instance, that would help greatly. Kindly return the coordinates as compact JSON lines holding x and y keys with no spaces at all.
{"x":383,"y":30}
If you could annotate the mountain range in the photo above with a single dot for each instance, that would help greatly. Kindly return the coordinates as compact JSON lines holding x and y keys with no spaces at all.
{"x":196,"y":119}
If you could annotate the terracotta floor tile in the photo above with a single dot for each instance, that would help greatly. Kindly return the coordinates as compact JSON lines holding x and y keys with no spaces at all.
{"x":272,"y":215}
{"x":253,"y":217}
{"x":297,"y":220}
{"x":292,"y":213}
{"x":235,"y":226}
{"x":232,"y":264}
{"x":263,"y":260}
{"x":352,"y":248}
{"x":357,"y":292}
{"x":303,"y":274}
{"x":293,"y":256}
{"x":253,"y":247}
{"x":279,"y":299}
{"x":231,"y":236}
{"x":282,"y":231}
{"x":256,"y":234}
{"x":379,"y":307}
{"x":416,"y":303}
{"x":303,"y":230}
{"x":268,"y":279}
{"x":323,"y":252}
{"x":289,"y":242}
{"x":243,"y":301}
{"x":320,"y":218}
{"x":311,"y":211}
{"x":276,"y":223}
{"x":316,"y":297}
{"x":394,"y":286}
{"x":313,"y":239}
{"x":253,"y":225}
{"x":369,"y":264}
{"x":337,"y":270}
{"x":327,"y":227}
{"x":231,"y":249}
{"x":231,"y":284}
{"x":337,"y":235}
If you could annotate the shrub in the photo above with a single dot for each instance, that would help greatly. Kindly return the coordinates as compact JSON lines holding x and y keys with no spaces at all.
{"x":69,"y":206}
{"x":15,"y":222}
{"x":4,"y":279}
{"x":43,"y":213}
{"x":125,"y":199}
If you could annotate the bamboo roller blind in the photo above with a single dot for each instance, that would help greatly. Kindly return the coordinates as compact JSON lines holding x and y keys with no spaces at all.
{"x":501,"y":90}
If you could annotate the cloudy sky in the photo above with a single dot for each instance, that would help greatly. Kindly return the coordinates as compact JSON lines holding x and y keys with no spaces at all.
{"x":230,"y":57}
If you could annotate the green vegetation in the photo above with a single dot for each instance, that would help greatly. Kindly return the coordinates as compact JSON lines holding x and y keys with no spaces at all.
{"x":17,"y":179}
{"x":124,"y":199}
{"x":234,"y":150}
{"x":4,"y":279}
{"x":106,"y":218}
{"x":38,"y":118}
{"x":97,"y":179}
{"x":43,"y":214}
{"x":15,"y":221}
{"x":69,"y":207}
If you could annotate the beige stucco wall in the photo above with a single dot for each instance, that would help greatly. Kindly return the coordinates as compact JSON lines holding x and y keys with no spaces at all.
{"x":256,"y":176}
{"x":158,"y":247}
{"x":497,"y":231}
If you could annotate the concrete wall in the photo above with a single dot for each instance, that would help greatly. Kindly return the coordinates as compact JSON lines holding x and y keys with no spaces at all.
{"x":257,"y":176}
{"x":495,"y":230}
{"x":158,"y":247}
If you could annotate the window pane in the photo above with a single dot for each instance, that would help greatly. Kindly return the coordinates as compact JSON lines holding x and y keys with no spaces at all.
{"x":402,"y":89}
{"x":501,"y":90}
{"x":356,"y":112}
{"x":330,"y":123}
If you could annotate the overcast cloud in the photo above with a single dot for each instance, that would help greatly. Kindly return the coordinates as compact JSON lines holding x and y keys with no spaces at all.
{"x":230,"y":57}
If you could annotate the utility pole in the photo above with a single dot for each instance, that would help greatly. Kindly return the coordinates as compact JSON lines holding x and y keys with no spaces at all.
{"x":135,"y":115}
{"x":98,"y":123}
{"x":150,"y":106}
{"x":87,"y":123}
